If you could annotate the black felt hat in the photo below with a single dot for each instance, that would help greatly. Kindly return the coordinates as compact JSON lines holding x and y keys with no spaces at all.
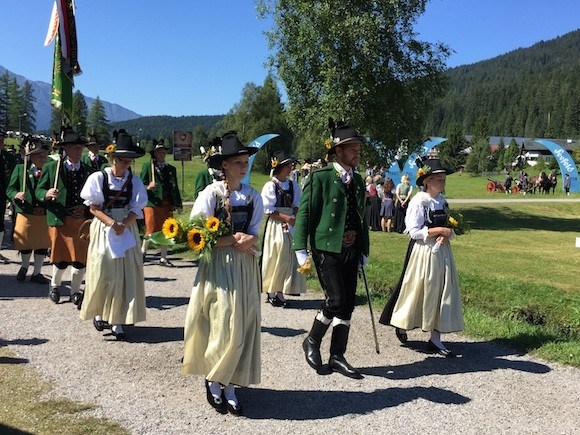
{"x":230,"y":146}
{"x":70,"y":137}
{"x":93,"y":140}
{"x":341,"y":134}
{"x":125,"y":148}
{"x":35,"y":145}
{"x":431,"y":167}
{"x":158,"y":145}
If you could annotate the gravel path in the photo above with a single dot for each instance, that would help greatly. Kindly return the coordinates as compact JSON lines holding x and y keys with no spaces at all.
{"x":489,"y":389}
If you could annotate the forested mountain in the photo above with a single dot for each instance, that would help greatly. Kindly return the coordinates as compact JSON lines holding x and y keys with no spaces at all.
{"x":157,"y":127}
{"x":530,"y":92}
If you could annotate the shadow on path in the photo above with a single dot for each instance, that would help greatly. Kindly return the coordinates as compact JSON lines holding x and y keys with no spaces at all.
{"x":283,"y":332}
{"x":472,"y":357}
{"x":165,"y":302}
{"x":311,"y":405}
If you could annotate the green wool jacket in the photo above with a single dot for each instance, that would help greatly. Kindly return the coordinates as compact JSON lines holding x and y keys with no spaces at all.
{"x":155,"y":196}
{"x":201,"y":180}
{"x":55,"y":210}
{"x":15,"y":186}
{"x":322,"y":213}
{"x":102,"y":161}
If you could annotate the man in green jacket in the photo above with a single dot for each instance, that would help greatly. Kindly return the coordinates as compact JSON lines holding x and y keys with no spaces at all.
{"x":206,"y":176}
{"x":30,"y":229}
{"x":93,"y":158}
{"x":59,"y":187}
{"x":331,"y":217}
{"x":160,"y":179}
{"x":7,"y":163}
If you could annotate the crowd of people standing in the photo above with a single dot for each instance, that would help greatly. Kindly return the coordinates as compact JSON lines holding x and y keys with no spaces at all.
{"x":83,"y":210}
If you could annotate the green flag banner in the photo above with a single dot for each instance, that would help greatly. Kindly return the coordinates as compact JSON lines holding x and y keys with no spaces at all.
{"x":62,"y":83}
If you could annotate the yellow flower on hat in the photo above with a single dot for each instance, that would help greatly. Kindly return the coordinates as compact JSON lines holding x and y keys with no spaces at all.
{"x":275,"y":162}
{"x":110,"y":148}
{"x":328,"y":144}
{"x":420,"y":172}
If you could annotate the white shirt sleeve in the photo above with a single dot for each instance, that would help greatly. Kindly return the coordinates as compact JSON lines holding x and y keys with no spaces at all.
{"x":205,"y":202}
{"x":92,"y":191}
{"x":415,"y":221}
{"x":258,"y":214}
{"x":269,"y":197}
{"x":139,"y":197}
{"x":297,"y":194}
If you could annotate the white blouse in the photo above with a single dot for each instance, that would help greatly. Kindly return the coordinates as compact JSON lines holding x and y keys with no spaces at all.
{"x":207,"y":200}
{"x":415,"y":222}
{"x":92,"y":191}
{"x":269,"y":194}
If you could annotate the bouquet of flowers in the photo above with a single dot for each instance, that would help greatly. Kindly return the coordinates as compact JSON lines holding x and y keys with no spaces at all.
{"x":456,"y":222}
{"x":200,"y":234}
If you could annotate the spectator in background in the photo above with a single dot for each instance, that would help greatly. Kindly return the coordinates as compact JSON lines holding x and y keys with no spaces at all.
{"x":160,"y":179}
{"x":7,"y":163}
{"x":402,"y":196}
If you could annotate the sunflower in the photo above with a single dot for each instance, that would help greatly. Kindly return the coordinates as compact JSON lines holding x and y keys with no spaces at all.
{"x":195,"y":240}
{"x":170,"y":228}
{"x":305,"y":268}
{"x":328,"y":144}
{"x":110,"y":149}
{"x":420,"y":172}
{"x":274,"y":162}
{"x":453,"y":222}
{"x":212,"y":224}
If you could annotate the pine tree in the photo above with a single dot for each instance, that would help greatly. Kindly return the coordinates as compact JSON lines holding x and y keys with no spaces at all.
{"x":4,"y":99}
{"x":97,"y":122}
{"x":80,"y":113}
{"x":28,"y":122}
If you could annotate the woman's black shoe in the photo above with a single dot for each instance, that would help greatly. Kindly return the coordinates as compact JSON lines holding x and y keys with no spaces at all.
{"x":234,"y":409}
{"x":218,"y":403}
{"x":401,"y":335}
{"x":436,"y":349}
{"x":100,"y":324}
{"x":274,"y":301}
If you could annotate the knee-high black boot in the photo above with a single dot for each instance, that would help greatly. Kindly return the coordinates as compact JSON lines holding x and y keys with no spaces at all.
{"x":338,"y":344}
{"x":311,"y":344}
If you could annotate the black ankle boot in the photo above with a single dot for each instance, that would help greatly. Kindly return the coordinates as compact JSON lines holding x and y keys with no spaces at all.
{"x":337,"y":362}
{"x":311,"y":344}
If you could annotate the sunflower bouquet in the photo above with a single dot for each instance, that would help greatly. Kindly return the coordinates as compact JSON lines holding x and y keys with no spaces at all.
{"x":199,"y":234}
{"x":456,"y":222}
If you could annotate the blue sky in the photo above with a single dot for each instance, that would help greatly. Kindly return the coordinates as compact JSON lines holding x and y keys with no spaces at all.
{"x":192,"y":57}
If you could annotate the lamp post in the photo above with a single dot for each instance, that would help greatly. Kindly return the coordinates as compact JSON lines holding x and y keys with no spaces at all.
{"x":20,"y":122}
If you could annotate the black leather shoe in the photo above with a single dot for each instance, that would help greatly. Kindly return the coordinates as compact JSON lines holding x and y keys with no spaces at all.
{"x":54,"y":295}
{"x":283,"y":303}
{"x":338,"y":364}
{"x":21,"y":275}
{"x":401,"y":335}
{"x":234,"y":409}
{"x":312,"y":353}
{"x":274,"y":301}
{"x":39,"y":278}
{"x":436,"y":349}
{"x":4,"y":260}
{"x":101,"y":324}
{"x":77,"y":299}
{"x":218,"y":403}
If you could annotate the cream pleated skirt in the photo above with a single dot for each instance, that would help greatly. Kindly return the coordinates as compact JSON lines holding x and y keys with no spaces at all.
{"x":115,"y":288}
{"x":222,"y":325}
{"x":279,"y":263}
{"x":430,"y":298}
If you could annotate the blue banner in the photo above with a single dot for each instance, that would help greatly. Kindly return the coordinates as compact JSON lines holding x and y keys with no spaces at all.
{"x":565,"y":161}
{"x":259,"y":142}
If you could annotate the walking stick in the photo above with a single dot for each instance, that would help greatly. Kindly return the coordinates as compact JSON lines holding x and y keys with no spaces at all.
{"x":152,"y":171}
{"x":24,"y":174}
{"x":57,"y":173}
{"x":364,"y":274}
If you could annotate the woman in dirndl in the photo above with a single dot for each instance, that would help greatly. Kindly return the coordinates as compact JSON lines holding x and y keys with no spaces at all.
{"x":427,"y":295}
{"x":222,"y":325}
{"x":115,"y":285}
{"x":31,"y":229}
{"x":281,"y":198}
